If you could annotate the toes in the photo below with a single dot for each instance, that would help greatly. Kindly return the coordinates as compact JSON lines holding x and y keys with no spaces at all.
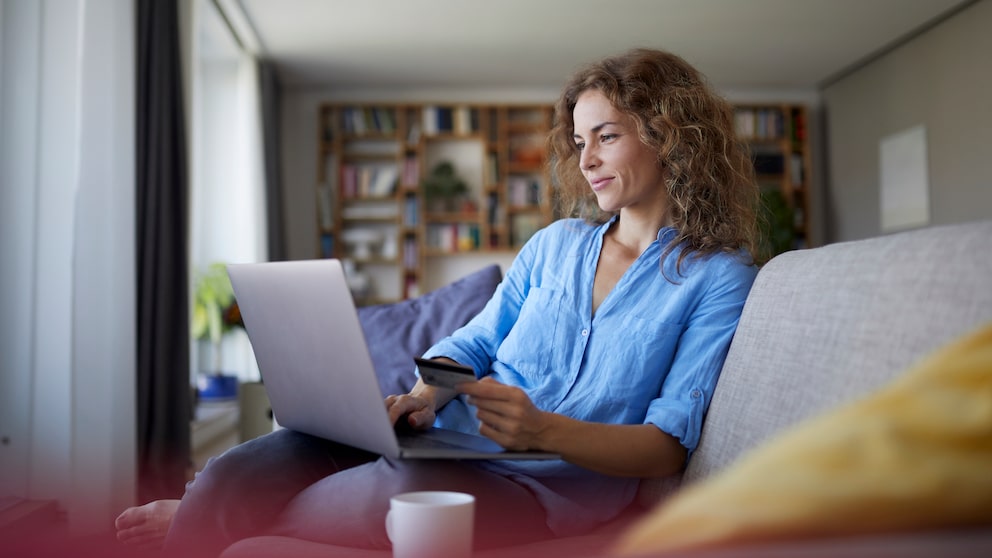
{"x":129,"y":517}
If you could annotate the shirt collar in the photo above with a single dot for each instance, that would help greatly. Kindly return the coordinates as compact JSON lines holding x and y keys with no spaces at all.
{"x":666,"y":234}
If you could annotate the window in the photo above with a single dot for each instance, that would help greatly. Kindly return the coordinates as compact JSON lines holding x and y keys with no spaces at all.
{"x":227,"y":198}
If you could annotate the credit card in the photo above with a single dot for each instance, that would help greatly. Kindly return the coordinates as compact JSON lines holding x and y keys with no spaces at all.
{"x":443,"y":374}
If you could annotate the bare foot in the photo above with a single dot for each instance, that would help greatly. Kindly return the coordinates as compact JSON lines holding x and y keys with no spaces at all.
{"x":146,"y":525}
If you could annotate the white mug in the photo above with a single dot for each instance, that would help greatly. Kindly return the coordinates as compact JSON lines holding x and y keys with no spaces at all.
{"x":431,"y":524}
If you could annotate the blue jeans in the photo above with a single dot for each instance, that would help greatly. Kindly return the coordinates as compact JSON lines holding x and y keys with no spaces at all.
{"x":292,"y":484}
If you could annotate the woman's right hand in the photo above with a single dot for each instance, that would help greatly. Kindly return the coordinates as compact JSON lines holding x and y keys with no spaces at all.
{"x":419,"y":407}
{"x":416,"y":410}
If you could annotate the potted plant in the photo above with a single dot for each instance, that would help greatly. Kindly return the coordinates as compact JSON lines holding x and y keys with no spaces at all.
{"x":215,"y":313}
{"x":777,"y":222}
{"x":442,"y":188}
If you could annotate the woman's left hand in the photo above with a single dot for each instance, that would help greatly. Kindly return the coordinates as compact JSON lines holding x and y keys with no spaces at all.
{"x":508,"y":416}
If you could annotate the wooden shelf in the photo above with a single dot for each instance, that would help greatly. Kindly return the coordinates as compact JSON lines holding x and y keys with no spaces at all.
{"x":483,"y":142}
{"x":376,"y":155}
{"x":460,"y":217}
{"x":777,"y":137}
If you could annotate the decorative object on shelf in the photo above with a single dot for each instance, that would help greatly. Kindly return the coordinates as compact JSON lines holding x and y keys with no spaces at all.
{"x":389,"y":249}
{"x":359,"y":283}
{"x":443,"y":189}
{"x":215,"y":313}
{"x":528,"y":151}
{"x":362,"y":243}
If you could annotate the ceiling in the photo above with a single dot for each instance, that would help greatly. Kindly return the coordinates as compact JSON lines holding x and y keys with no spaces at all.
{"x":738,"y":44}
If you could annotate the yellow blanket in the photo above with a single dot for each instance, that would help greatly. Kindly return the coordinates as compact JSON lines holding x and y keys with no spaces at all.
{"x":917,"y":454}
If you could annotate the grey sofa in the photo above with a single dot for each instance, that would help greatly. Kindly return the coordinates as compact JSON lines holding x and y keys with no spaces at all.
{"x":820,"y":328}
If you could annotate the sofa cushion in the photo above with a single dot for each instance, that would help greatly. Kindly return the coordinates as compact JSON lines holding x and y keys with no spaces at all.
{"x":827,"y":325}
{"x":398,"y":331}
{"x":916,"y":455}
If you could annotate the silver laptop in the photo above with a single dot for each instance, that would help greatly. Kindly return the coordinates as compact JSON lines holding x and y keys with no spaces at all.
{"x":316,"y":366}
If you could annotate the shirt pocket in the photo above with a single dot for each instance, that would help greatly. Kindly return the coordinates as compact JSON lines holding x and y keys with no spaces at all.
{"x":659,"y":341}
{"x":646,"y":354}
{"x":529,"y":345}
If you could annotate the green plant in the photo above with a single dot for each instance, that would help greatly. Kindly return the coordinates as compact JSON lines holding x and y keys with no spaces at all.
{"x":777,"y":223}
{"x":215,"y":312}
{"x":443,"y":185}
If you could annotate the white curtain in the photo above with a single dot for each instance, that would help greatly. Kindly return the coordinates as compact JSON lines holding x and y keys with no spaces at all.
{"x":67,"y":347}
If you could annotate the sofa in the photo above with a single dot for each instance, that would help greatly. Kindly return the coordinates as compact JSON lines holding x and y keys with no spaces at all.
{"x":822,"y":327}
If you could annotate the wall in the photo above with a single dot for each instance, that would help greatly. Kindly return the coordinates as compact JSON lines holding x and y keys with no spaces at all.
{"x":299,"y":157}
{"x":67,"y":391}
{"x":941,"y":79}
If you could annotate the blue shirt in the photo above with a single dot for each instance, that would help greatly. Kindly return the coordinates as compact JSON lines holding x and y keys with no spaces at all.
{"x":650,"y":355}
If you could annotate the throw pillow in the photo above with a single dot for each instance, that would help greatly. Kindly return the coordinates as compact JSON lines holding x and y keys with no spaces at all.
{"x":397,"y":332}
{"x":917,"y":454}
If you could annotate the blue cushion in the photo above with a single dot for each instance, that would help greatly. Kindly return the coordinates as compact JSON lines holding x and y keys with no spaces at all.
{"x":399,"y":331}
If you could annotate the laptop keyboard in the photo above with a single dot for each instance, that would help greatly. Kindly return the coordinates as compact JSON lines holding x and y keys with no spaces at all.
{"x":425,"y":441}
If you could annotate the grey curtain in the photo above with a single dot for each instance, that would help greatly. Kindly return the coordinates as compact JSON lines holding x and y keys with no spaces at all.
{"x":270,"y":101}
{"x":163,"y":398}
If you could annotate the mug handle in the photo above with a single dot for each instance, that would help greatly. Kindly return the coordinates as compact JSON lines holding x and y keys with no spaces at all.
{"x":389,"y":525}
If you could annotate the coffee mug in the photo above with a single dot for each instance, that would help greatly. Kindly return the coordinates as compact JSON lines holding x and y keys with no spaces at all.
{"x":431,"y":524}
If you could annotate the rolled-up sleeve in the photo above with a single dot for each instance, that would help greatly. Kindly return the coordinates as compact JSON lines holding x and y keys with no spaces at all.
{"x":688,"y":387}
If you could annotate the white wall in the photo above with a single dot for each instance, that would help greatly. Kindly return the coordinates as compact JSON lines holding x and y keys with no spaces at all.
{"x":67,"y":302}
{"x":942,"y":80}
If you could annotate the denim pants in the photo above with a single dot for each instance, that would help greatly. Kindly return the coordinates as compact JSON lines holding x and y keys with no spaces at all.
{"x":292,"y":484}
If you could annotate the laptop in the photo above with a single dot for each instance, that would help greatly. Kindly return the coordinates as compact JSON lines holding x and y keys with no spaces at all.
{"x":317,"y":371}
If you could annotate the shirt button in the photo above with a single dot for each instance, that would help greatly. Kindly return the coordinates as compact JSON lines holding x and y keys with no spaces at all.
{"x":585,"y":332}
{"x":696,"y":394}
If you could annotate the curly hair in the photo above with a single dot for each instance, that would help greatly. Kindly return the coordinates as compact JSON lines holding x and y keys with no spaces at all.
{"x":710,"y":180}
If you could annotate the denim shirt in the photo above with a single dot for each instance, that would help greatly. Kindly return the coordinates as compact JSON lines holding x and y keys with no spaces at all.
{"x":651,"y":354}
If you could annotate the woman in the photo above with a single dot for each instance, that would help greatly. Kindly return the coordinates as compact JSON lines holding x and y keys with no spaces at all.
{"x":603,"y":343}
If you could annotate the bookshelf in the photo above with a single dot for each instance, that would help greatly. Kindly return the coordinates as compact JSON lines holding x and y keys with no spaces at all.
{"x":777,"y":137}
{"x":374,"y":209}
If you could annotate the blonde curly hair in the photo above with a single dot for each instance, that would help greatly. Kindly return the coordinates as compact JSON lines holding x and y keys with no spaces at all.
{"x":711,"y":185}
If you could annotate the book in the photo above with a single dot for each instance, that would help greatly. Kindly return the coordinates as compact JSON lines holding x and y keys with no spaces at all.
{"x":413,"y":137}
{"x":411,"y":287}
{"x":445,"y":119}
{"x":796,"y":169}
{"x":411,"y":213}
{"x":411,"y":171}
{"x":349,"y":181}
{"x":327,"y":245}
{"x":382,"y":181}
{"x":462,"y":120}
{"x":492,"y":168}
{"x":524,"y":191}
{"x":429,"y":120}
{"x":410,"y":253}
